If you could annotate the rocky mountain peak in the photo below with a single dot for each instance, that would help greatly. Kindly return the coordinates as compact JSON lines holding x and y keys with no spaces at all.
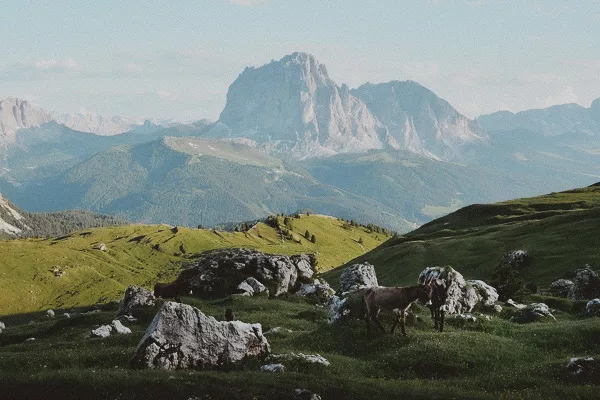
{"x":16,"y":114}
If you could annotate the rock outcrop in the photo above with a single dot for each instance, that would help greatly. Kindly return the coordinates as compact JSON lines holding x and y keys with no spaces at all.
{"x":135,"y":298}
{"x":181,"y":336}
{"x":462,"y":296}
{"x":218,"y":273}
{"x":592,"y":308}
{"x":357,"y":276}
{"x":17,"y":114}
{"x":532,"y":313}
{"x":561,"y":288}
{"x":487,"y":296}
{"x":586,"y":284}
{"x":586,"y":367}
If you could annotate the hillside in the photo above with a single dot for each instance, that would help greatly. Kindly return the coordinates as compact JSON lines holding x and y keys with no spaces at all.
{"x":71,"y":270}
{"x":558,"y":230}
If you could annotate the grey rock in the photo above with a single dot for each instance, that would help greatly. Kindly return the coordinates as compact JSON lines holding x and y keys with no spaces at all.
{"x":102,"y":247}
{"x":301,"y":357}
{"x":512,"y":303}
{"x":487,"y":295}
{"x":498,"y":308}
{"x":583,"y":366}
{"x":251,"y":286}
{"x":586,"y":284}
{"x":67,"y":315}
{"x":305,"y":394}
{"x":304,"y":267}
{"x":102,"y":331}
{"x":336,"y":309}
{"x":357,"y":276}
{"x":120,"y":328}
{"x":532,"y":313}
{"x":276,"y":330}
{"x":561,"y":288}
{"x":219,"y":272}
{"x":181,"y":336}
{"x":320,"y":289}
{"x":275,"y":368}
{"x":50,"y":314}
{"x":135,"y":297}
{"x":592,"y":308}
{"x":31,"y":339}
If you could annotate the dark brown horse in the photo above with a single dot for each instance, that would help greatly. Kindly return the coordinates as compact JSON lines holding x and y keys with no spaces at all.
{"x":437,"y":307}
{"x":391,"y":298}
{"x":169,"y":290}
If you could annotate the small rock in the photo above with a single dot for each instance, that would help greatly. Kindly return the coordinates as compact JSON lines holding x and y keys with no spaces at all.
{"x":511,"y":302}
{"x":102,"y":247}
{"x":67,"y":315}
{"x":50,"y":314}
{"x":128,"y":318}
{"x":580,"y":366}
{"x":498,"y":308}
{"x":316,"y":289}
{"x":561,"y":288}
{"x":276,"y":368}
{"x":119,"y":327}
{"x":308,"y":358}
{"x":276,"y":330}
{"x":586,"y":284}
{"x":135,"y":297}
{"x":102,"y":331}
{"x":31,"y":339}
{"x":592,"y":308}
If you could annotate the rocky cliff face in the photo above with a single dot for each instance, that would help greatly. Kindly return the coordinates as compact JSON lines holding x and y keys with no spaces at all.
{"x":11,"y":220}
{"x":96,"y":124}
{"x":419,"y":121}
{"x":552,"y":121}
{"x":16,"y":114}
{"x":292,"y":105}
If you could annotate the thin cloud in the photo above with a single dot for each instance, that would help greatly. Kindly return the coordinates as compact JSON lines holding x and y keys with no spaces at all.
{"x":246,"y":3}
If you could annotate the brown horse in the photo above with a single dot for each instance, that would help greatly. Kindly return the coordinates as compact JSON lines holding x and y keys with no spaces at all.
{"x":439,"y":296}
{"x":391,"y":298}
{"x":169,"y":290}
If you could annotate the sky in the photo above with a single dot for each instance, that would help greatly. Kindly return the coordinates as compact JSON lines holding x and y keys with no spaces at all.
{"x":176,"y":59}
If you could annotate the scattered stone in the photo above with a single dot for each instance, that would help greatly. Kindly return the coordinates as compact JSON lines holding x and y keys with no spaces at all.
{"x":586,"y":284}
{"x":276,"y":368}
{"x":336,"y":309}
{"x":119,"y":327}
{"x":465,"y":317}
{"x":516,"y":258}
{"x":357,"y":276}
{"x":561,"y":288}
{"x":31,"y":339}
{"x":305,"y":394}
{"x":218,"y":273}
{"x":319,"y":289}
{"x":498,"y":308}
{"x":102,"y":331}
{"x":181,"y":336}
{"x":102,"y":247}
{"x":580,"y":366}
{"x":532,"y":313}
{"x":487,"y":296}
{"x":592,"y":308}
{"x":305,"y":358}
{"x":57,"y":271}
{"x":135,"y":298}
{"x":2,"y":326}
{"x":251,"y":286}
{"x":276,"y":330}
{"x":67,"y":315}
{"x":512,"y":303}
{"x":95,"y":311}
{"x":50,"y":313}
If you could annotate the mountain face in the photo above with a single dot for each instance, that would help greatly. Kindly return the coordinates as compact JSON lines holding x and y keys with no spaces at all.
{"x":292,"y":106}
{"x":11,"y":221}
{"x":97,"y":124}
{"x":16,"y":114}
{"x":552,"y":121}
{"x":419,"y":121}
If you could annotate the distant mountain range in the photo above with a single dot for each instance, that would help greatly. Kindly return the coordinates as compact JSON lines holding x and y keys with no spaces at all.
{"x":393,"y":153}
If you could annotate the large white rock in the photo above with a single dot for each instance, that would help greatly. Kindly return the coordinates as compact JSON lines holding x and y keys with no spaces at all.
{"x":181,"y":336}
{"x":357,"y":276}
{"x":120,"y":328}
{"x":135,"y":297}
{"x":561,"y":288}
{"x":102,"y":331}
{"x":487,"y":295}
{"x":251,"y":286}
{"x":592,"y":308}
{"x":533,"y":312}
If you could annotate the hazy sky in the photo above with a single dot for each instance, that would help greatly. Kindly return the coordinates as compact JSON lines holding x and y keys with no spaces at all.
{"x":176,"y":59}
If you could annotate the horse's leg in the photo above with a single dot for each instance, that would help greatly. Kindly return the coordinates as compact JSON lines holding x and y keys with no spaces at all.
{"x":377,"y":322}
{"x":367,"y":318}
{"x":395,"y":322}
{"x":436,"y":318}
{"x":441,"y":320}
{"x":403,"y":322}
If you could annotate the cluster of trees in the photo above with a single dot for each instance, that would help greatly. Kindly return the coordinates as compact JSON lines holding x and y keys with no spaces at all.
{"x":369,"y":227}
{"x":63,"y":222}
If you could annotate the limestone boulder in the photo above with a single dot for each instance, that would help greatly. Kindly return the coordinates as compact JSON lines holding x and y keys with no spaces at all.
{"x":102,"y":331}
{"x":592,"y":308}
{"x":251,"y":287}
{"x":462,"y":295}
{"x":135,"y":298}
{"x":181,"y":336}
{"x":586,"y":367}
{"x":586,"y":284}
{"x":357,"y":276}
{"x":561,"y":288}
{"x":533,"y":312}
{"x":487,"y":295}
{"x":319,"y":289}
{"x":218,"y":273}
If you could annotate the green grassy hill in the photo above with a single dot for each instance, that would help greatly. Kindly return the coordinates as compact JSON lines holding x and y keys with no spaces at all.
{"x":141,"y":254}
{"x":559,"y":230}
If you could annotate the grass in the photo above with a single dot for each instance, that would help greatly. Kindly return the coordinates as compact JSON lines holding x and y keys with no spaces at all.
{"x":558,"y":231}
{"x":141,"y":254}
{"x":485,"y":360}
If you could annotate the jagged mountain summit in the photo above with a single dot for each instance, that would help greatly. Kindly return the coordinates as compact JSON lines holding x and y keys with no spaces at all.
{"x":17,"y":114}
{"x":293,"y":106}
{"x":419,"y":121}
{"x":552,"y":121}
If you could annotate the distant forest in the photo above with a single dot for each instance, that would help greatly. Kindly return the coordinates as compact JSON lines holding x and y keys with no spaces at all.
{"x":62,"y":222}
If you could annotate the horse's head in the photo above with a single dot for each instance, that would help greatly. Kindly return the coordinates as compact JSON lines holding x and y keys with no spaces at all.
{"x":425,"y":291}
{"x":440,"y":292}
